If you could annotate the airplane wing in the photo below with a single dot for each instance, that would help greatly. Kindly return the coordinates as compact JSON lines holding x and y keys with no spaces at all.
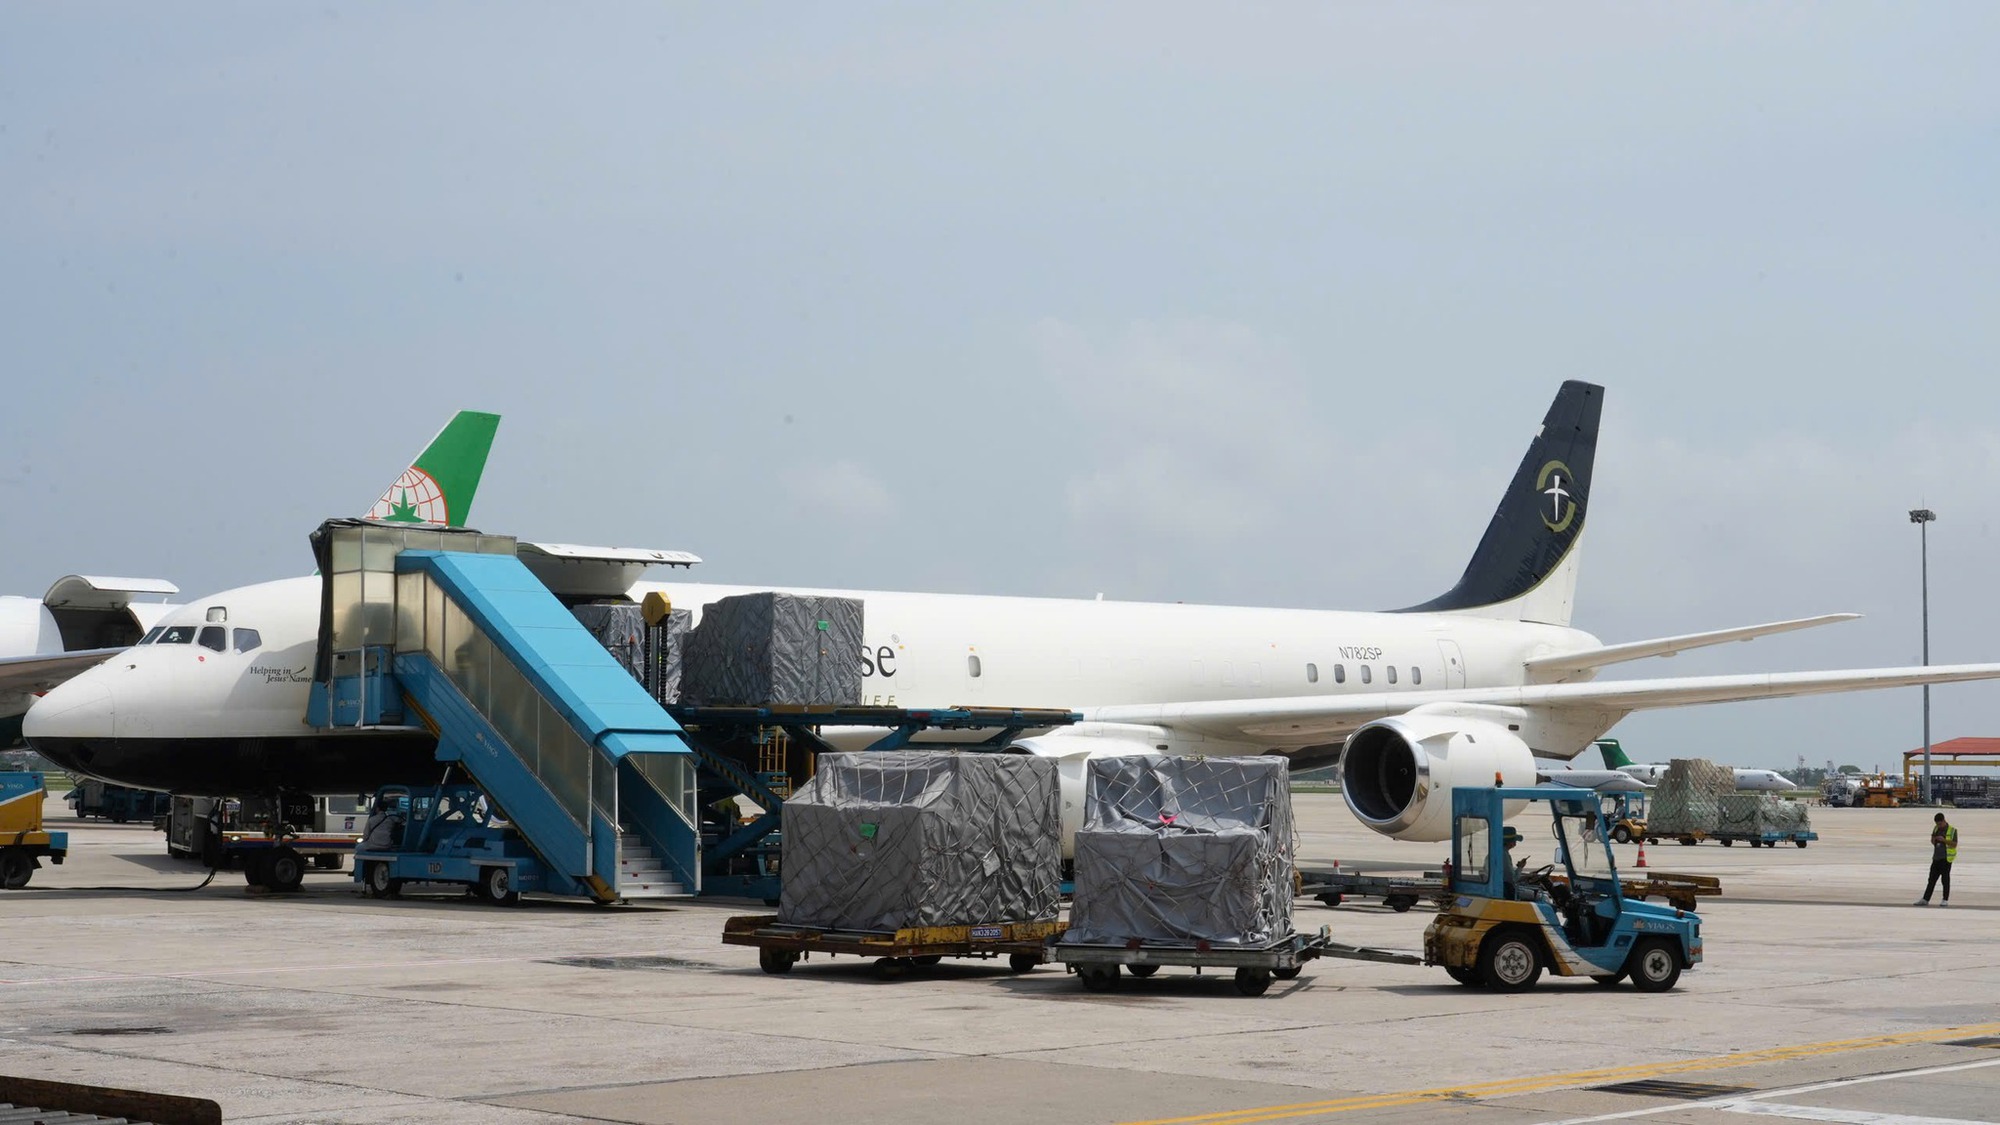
{"x":1546,"y":669}
{"x":1300,"y":721}
{"x":21,"y":674}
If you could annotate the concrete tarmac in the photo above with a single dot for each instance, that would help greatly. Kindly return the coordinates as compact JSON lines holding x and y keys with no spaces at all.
{"x":1825,"y":997}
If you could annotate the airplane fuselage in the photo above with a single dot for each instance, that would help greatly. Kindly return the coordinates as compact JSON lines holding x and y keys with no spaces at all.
{"x":180,"y":713}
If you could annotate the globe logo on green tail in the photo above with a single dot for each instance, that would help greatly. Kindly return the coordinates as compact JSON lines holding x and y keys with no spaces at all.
{"x":1557,"y":485}
{"x":414,"y":498}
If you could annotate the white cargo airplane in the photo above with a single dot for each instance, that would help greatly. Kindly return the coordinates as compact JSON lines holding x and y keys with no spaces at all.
{"x":1463,"y":689}
{"x":1747,"y":778}
{"x":85,"y":620}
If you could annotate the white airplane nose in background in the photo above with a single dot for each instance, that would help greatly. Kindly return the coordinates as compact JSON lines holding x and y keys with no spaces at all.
{"x":82,"y":708}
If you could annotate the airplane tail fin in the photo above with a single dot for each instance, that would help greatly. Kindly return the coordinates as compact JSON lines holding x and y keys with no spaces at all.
{"x":1614,"y":754}
{"x":1525,"y":566}
{"x":439,"y":485}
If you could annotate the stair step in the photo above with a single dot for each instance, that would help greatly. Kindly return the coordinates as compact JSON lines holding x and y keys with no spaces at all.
{"x":661,"y":889}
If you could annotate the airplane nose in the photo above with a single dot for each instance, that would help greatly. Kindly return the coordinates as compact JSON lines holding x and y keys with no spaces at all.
{"x":82,"y":708}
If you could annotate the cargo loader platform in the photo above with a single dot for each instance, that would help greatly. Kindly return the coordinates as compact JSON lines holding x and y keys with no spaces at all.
{"x":779,"y":947}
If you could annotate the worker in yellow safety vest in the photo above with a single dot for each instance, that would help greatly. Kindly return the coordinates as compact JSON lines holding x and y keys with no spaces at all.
{"x":1944,"y":853}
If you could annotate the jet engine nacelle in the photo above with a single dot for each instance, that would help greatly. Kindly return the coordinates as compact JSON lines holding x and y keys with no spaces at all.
{"x":1397,"y":774}
{"x":1073,"y":747}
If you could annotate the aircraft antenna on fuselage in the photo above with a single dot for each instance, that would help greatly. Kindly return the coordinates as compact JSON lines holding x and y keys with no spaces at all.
{"x":1524,"y":568}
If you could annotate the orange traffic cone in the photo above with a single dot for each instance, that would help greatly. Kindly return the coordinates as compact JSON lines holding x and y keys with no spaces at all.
{"x":1642,"y":852}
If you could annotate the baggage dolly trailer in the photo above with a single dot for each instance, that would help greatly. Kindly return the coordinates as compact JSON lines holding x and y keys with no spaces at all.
{"x":1101,"y":967}
{"x":779,"y":947}
{"x":1397,"y":892}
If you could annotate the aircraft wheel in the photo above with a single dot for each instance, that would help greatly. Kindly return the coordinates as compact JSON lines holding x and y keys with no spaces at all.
{"x":380,"y":884}
{"x":282,"y":871}
{"x":1467,"y":977}
{"x":1510,"y":961}
{"x":776,"y":961}
{"x":1023,"y":962}
{"x":1253,"y":982}
{"x":1099,"y":978}
{"x":1287,"y":974}
{"x":1142,"y":971}
{"x":496,"y":885}
{"x":1654,"y":966}
{"x":1621,"y":834}
{"x":16,"y":868}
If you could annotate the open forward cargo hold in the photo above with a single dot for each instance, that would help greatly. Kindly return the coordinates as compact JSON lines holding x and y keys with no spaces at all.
{"x":886,"y":840}
{"x":1177,"y":851}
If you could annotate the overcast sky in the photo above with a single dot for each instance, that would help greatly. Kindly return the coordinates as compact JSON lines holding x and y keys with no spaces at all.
{"x":1238,"y":304}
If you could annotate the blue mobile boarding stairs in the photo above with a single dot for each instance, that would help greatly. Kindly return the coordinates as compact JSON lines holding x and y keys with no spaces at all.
{"x":560,"y":774}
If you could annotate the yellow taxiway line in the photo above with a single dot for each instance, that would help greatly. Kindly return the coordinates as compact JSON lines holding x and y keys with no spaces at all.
{"x":1540,"y":1083}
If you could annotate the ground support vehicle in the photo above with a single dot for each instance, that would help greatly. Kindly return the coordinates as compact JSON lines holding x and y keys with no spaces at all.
{"x":116,"y":803}
{"x":1397,"y":892}
{"x":779,"y":947}
{"x":1800,"y":838}
{"x":1101,"y":968}
{"x":24,"y":843}
{"x":449,"y":834}
{"x":1504,"y":925}
{"x":1628,"y":821}
{"x":1680,"y":891}
{"x":269,"y":838}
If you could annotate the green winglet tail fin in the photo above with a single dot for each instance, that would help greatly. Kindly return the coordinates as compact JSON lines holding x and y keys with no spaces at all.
{"x":439,"y":485}
{"x":1614,"y":754}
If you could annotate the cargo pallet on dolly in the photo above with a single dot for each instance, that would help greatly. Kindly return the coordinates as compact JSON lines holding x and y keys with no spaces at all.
{"x":1100,"y":966}
{"x":779,"y":947}
{"x":1799,"y":837}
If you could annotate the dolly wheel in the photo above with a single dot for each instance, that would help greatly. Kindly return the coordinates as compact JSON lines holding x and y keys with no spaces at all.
{"x":496,"y":885}
{"x":1253,"y":982}
{"x":16,"y":868}
{"x":776,"y":961}
{"x":1654,"y":966}
{"x":1142,"y":971}
{"x":928,"y":959}
{"x":1099,"y":978}
{"x":1290,"y":973}
{"x":889,"y":968}
{"x":1023,"y":962}
{"x":1800,"y":842}
{"x":1607,"y":979}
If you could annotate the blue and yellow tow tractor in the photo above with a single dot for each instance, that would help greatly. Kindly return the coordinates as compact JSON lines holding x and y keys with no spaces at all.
{"x":1505,"y":921}
{"x":24,"y":843}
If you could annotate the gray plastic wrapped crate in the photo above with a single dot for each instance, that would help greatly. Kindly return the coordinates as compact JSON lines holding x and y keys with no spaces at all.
{"x":1175,"y":851}
{"x":773,"y":648}
{"x":882,"y":840}
{"x":1687,"y":800}
{"x":621,"y":628}
{"x":1760,"y":813}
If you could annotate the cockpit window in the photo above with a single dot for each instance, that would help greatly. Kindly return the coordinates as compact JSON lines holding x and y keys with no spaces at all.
{"x":247,"y":639}
{"x":152,"y":634}
{"x":178,"y":635}
{"x":214,"y":637}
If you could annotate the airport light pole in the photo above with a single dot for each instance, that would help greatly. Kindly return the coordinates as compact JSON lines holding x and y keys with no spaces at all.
{"x":1922,"y":517}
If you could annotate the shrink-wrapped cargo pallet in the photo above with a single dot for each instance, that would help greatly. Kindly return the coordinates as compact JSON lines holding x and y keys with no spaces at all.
{"x":621,"y":629}
{"x":1176,"y":851}
{"x":1758,"y":814}
{"x":883,"y":840}
{"x":1687,"y":800}
{"x":775,"y":649}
